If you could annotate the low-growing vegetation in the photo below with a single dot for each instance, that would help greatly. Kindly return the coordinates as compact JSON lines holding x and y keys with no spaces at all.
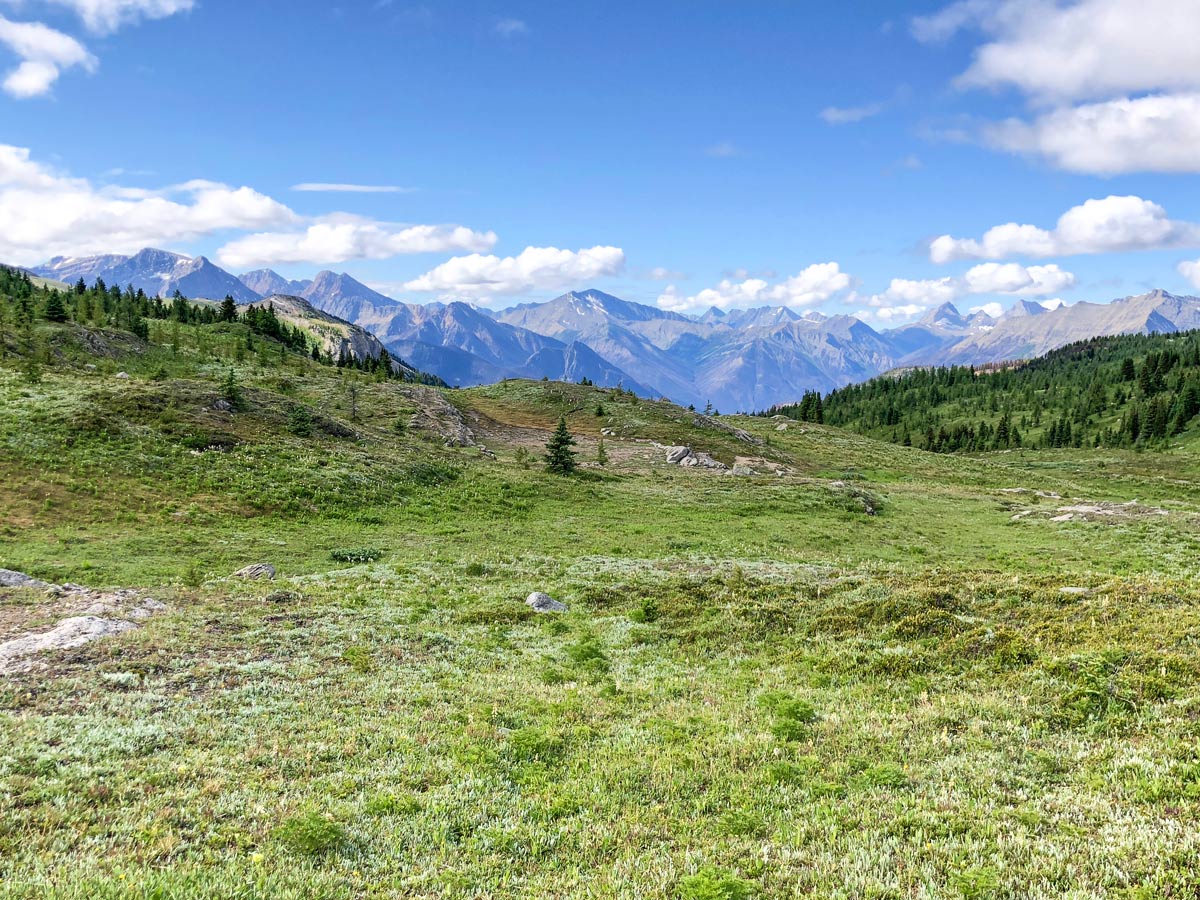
{"x":759,"y":688}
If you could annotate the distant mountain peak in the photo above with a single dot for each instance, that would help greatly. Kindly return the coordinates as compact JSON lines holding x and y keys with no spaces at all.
{"x":1024,"y":308}
{"x":946,"y":315}
{"x":157,"y":272}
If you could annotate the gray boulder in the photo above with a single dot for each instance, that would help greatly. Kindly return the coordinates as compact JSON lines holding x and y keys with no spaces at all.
{"x":544,"y":603}
{"x":257,"y":570}
{"x":9,"y":578}
{"x":689,"y":458}
{"x":676,"y":455}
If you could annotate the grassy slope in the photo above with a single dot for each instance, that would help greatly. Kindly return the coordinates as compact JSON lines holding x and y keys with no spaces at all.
{"x":758,"y":687}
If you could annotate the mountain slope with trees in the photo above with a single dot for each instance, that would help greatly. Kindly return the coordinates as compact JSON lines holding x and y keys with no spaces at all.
{"x":1135,"y":391}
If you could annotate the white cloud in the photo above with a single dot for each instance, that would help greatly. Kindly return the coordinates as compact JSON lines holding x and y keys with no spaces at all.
{"x":1017,"y":280}
{"x":921,"y":294}
{"x":1087,"y":49}
{"x":891,"y":313}
{"x":511,"y":28}
{"x":993,"y":309}
{"x":1112,"y":224}
{"x":1056,"y":303}
{"x":945,"y":23}
{"x":905,"y":298}
{"x":839,"y":115}
{"x":44,"y":213}
{"x":1190,"y":269}
{"x":341,"y":238}
{"x":106,"y":16}
{"x":1156,"y":134}
{"x":44,"y":54}
{"x":814,"y":285}
{"x":1117,"y":79}
{"x":324,"y":187}
{"x":535,"y":268}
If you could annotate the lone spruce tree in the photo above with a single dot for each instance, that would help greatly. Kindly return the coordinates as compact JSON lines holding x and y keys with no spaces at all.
{"x":560,"y":458}
{"x":55,"y":311}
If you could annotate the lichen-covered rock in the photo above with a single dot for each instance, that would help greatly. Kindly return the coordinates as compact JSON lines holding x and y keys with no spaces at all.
{"x":257,"y":570}
{"x":544,"y":603}
{"x":73,"y":632}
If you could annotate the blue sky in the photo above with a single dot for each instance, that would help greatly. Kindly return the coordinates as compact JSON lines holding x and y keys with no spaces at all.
{"x":675,"y":153}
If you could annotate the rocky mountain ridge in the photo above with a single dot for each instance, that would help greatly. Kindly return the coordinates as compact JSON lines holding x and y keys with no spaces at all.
{"x":733,"y":359}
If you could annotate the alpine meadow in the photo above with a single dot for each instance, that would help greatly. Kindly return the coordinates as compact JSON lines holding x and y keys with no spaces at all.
{"x":609,"y":451}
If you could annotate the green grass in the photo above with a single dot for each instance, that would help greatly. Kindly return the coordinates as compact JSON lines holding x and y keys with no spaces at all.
{"x":759,"y":690}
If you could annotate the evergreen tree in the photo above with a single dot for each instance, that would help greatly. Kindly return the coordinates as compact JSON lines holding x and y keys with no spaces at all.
{"x":560,"y":458}
{"x":230,"y":391}
{"x":228,"y":309}
{"x":601,"y":454}
{"x":55,"y":311}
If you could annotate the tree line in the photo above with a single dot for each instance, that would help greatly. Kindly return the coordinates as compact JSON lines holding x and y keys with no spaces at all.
{"x":23,"y":303}
{"x":1134,"y":391}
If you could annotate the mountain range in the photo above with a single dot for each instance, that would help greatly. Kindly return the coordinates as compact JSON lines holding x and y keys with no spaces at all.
{"x":735,"y":360}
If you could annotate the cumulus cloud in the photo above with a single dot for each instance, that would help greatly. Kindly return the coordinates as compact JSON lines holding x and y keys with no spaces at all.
{"x":44,"y":54}
{"x":1190,"y":269}
{"x":905,"y":298}
{"x":993,"y":309}
{"x":44,"y":213}
{"x":1111,"y":224}
{"x":1116,"y":80}
{"x":1159,"y":133}
{"x":535,"y":268}
{"x":325,"y":187}
{"x":1016,"y":280}
{"x":1086,"y":49}
{"x":846,"y":115}
{"x":892,"y":313}
{"x":814,"y":285}
{"x":342,"y":238}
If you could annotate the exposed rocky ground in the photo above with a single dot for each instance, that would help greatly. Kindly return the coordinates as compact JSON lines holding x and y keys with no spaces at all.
{"x":61,"y":618}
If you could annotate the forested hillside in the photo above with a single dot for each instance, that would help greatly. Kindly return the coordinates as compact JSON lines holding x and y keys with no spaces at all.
{"x":1129,"y":391}
{"x":193,"y":332}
